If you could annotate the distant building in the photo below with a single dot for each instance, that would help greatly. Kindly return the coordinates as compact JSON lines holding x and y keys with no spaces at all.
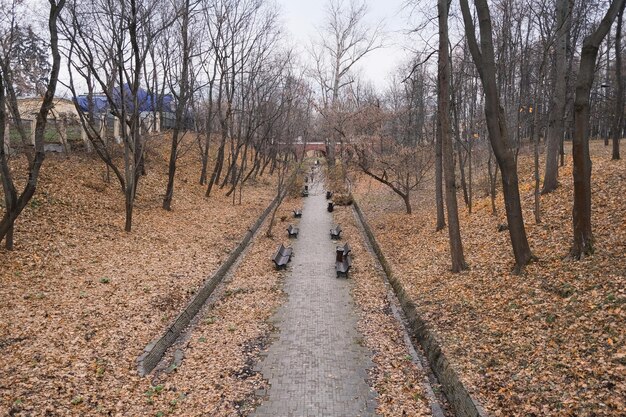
{"x":31,"y":105}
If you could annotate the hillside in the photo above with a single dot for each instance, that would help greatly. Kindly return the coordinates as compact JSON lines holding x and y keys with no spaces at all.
{"x":547,"y":342}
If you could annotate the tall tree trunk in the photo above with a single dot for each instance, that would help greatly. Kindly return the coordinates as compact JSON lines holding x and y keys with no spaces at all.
{"x":18,"y":203}
{"x":204,"y":156}
{"x":10,"y":193}
{"x":556,"y":121}
{"x":183,"y":96}
{"x":493,"y":178}
{"x":454,"y":232}
{"x":618,"y":117}
{"x":581,"y":213}
{"x":458,"y":141}
{"x":462,"y":162}
{"x":217,"y":169}
{"x":535,"y":130}
{"x":441,"y":220}
{"x":496,"y":124}
{"x":469,"y":174}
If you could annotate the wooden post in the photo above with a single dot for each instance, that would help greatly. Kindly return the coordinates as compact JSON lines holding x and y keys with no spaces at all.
{"x":157,"y":123}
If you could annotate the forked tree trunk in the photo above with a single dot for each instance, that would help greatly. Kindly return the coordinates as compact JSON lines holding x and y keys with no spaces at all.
{"x":581,"y":213}
{"x":218,"y":167}
{"x":454,"y":232}
{"x":496,"y":124}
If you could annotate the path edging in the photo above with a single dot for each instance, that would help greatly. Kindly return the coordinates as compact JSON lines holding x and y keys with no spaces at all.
{"x":458,"y":396}
{"x":154,"y":351}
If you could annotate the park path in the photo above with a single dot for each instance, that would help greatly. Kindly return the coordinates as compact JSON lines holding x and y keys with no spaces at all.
{"x":317,"y":366}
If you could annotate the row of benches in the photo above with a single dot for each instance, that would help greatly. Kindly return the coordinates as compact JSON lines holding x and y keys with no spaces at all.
{"x":343,"y":259}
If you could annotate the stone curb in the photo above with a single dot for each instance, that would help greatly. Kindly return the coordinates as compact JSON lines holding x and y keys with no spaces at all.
{"x":154,"y":351}
{"x":462,"y":402}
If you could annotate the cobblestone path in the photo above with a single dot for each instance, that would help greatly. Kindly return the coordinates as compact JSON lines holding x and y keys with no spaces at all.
{"x":317,"y":364}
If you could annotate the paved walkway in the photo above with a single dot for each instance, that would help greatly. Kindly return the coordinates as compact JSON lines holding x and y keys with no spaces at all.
{"x":317,"y":366}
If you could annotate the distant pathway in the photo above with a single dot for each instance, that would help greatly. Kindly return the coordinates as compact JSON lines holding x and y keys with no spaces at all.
{"x":317,"y":366}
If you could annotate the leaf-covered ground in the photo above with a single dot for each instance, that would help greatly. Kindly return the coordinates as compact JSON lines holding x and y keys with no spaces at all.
{"x":395,"y":378}
{"x":548,"y":342}
{"x":217,"y":376}
{"x":81,"y":298}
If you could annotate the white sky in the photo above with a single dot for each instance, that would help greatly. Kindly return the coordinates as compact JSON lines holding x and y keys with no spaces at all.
{"x":301,"y":17}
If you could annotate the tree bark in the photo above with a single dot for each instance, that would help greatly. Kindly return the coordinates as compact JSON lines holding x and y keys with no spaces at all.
{"x":454,"y":232}
{"x":556,"y":122}
{"x":496,"y":124}
{"x":183,"y":96}
{"x":441,"y":220}
{"x":19,"y":203}
{"x":581,"y":212}
{"x":618,"y":117}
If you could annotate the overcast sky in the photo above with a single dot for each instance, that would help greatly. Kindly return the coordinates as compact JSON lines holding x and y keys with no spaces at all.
{"x":301,"y":17}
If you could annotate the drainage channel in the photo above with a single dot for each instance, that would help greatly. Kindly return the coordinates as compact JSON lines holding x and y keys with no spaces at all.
{"x":157,"y":352}
{"x":444,"y":389}
{"x":439,"y":405}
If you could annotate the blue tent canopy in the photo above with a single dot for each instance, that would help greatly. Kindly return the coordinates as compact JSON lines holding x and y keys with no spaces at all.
{"x":100,"y":103}
{"x":147,"y":102}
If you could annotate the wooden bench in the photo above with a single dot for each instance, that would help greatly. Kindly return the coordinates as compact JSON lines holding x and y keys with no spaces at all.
{"x":336,"y":232}
{"x":329,"y":194}
{"x":331,"y":206}
{"x":343,"y":260}
{"x":282,"y":256}
{"x":297,"y":213}
{"x":293,"y":231}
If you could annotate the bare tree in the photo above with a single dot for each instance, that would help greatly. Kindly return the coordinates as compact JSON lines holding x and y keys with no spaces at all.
{"x":439,"y":204}
{"x":15,"y":203}
{"x":484,"y":60}
{"x":110,"y":49}
{"x":183,"y":96}
{"x":345,"y":39}
{"x":454,"y":230}
{"x":556,"y":123}
{"x":618,"y":116}
{"x":401,"y":168}
{"x":581,"y":213}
